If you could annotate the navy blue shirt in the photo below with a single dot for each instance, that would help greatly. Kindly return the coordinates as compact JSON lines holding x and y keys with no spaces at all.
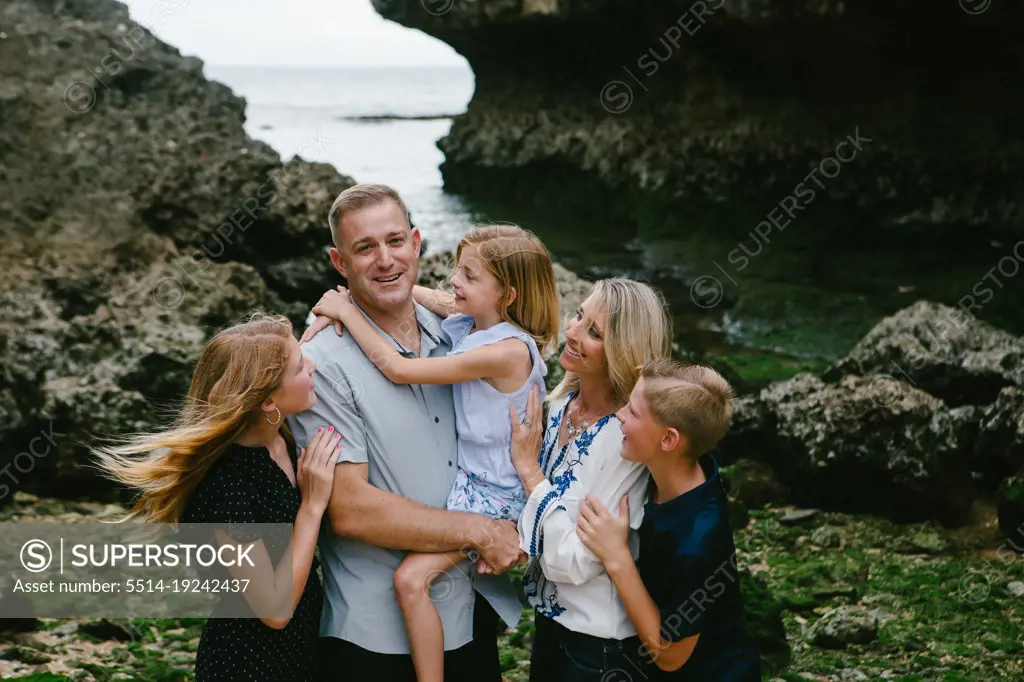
{"x":688,"y":565}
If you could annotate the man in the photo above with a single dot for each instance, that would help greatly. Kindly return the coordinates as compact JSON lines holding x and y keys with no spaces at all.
{"x":396,"y":466}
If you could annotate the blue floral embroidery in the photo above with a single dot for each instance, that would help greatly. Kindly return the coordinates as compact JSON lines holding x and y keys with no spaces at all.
{"x":554,"y":609}
{"x":583,"y":442}
{"x":530,"y":580}
{"x":550,"y":438}
{"x":545,"y":591}
{"x":534,"y":549}
{"x":561,"y":456}
{"x":544,"y":457}
{"x":538,"y":590}
{"x":564,"y":479}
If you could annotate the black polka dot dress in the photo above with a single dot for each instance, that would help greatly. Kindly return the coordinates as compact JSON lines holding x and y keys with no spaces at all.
{"x":247,"y":486}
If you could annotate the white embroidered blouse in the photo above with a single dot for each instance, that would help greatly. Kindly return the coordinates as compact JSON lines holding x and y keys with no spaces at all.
{"x":565,"y":580}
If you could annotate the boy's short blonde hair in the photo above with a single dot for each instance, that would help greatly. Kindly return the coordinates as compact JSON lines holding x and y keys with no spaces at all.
{"x":693,"y":399}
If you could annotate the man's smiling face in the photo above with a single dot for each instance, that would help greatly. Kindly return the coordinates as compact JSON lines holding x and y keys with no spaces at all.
{"x":379,"y":253}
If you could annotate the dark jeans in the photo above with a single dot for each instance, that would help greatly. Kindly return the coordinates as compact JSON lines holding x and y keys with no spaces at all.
{"x":561,"y":655}
{"x":478,"y":660}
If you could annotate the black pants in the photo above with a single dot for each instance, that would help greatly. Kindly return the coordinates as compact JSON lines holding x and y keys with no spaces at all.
{"x":561,"y":655}
{"x":477,"y":661}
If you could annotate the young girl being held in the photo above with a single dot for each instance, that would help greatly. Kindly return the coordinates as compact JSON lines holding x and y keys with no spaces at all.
{"x":505,"y":309}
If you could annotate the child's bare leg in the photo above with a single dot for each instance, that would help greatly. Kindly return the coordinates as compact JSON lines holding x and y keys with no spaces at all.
{"x":413,"y":579}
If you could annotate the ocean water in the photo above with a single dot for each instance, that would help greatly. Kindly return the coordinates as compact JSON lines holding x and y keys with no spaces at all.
{"x":374,"y":124}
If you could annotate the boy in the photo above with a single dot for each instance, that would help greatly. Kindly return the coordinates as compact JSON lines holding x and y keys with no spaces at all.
{"x":682,"y":595}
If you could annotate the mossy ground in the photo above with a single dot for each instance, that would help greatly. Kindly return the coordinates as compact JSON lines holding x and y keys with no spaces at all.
{"x":944,"y":609}
{"x":940,"y":596}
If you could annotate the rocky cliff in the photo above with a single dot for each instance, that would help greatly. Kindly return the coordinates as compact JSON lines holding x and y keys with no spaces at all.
{"x":902,"y":113}
{"x":136,"y":218}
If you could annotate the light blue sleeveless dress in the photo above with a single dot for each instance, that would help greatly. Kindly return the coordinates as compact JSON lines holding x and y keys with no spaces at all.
{"x":486,"y":482}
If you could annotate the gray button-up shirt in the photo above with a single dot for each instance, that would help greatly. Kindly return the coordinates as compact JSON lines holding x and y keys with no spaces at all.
{"x":406,"y":435}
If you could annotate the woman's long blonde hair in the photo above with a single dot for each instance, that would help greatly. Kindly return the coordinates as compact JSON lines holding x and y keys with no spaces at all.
{"x":638,"y":330}
{"x":238,"y":369}
{"x":519,"y":260}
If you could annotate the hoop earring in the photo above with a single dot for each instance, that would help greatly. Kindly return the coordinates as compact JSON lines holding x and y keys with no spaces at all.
{"x":267,"y":417}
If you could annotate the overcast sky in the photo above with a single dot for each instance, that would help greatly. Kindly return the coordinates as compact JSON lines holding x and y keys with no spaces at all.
{"x":288,"y":33}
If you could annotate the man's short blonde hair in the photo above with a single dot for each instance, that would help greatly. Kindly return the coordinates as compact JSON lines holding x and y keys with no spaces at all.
{"x":358,"y":197}
{"x":693,"y":399}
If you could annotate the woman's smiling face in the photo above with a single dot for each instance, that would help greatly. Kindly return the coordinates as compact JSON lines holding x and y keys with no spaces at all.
{"x":584,"y":340}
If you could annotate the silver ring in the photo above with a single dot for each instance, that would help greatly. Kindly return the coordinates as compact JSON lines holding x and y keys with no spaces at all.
{"x":528,"y":422}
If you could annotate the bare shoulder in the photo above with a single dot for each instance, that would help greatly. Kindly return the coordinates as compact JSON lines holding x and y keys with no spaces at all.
{"x":516,"y":363}
{"x":515,"y":353}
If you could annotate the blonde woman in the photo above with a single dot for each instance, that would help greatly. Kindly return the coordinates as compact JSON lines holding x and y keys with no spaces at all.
{"x":230,"y":459}
{"x":582,"y":629}
{"x":503,"y":313}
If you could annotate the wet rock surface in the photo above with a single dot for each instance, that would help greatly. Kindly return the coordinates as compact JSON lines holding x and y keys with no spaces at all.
{"x":1000,"y":435}
{"x":921,"y":443}
{"x":861,"y":445}
{"x":844,"y":625}
{"x":941,"y":350}
{"x":137,"y":219}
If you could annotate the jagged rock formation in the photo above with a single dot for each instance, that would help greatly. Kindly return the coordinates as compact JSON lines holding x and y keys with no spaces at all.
{"x":863,"y":445}
{"x":1000,"y":438}
{"x":923,"y":417}
{"x":136,"y":218}
{"x":647,"y":112}
{"x":941,"y":350}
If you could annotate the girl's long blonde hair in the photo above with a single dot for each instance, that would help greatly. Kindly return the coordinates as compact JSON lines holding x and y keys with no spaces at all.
{"x":519,"y":260}
{"x":237,"y":371}
{"x":638,"y":330}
